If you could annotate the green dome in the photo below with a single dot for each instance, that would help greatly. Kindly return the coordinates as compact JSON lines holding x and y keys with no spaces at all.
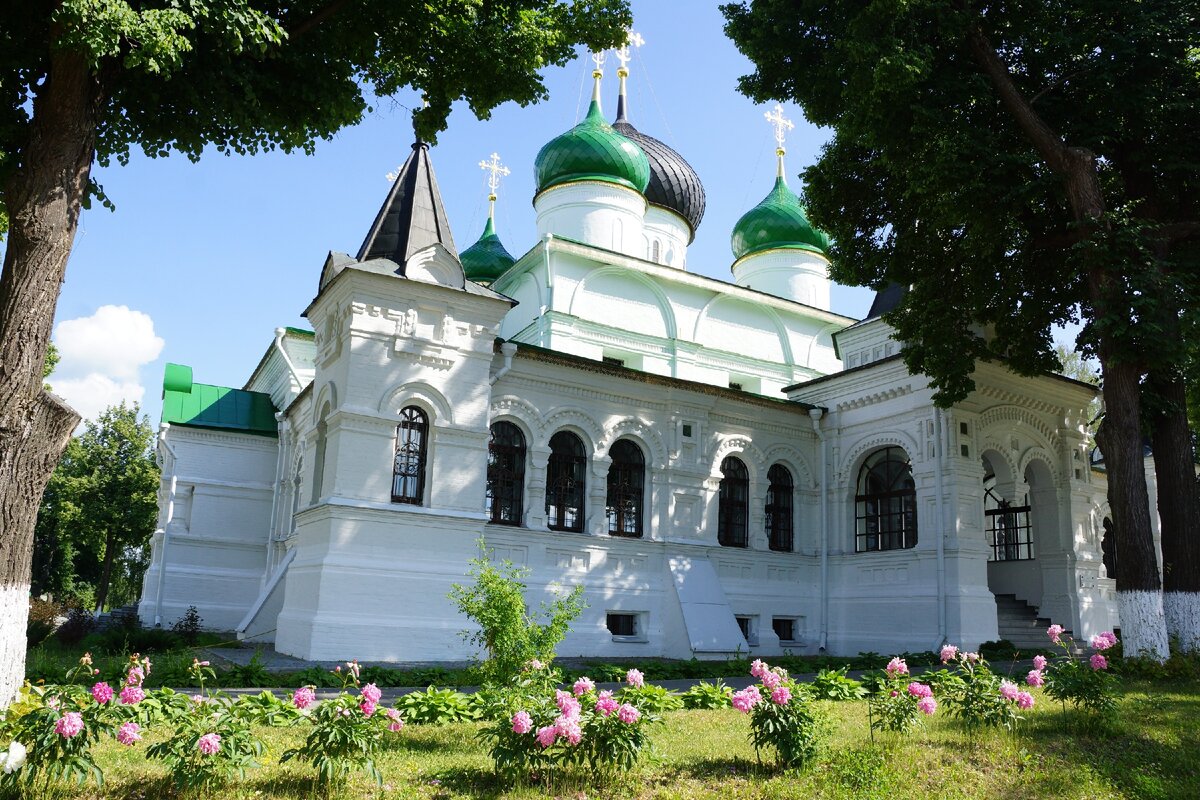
{"x":778,"y":221}
{"x":487,"y":259}
{"x":592,"y":151}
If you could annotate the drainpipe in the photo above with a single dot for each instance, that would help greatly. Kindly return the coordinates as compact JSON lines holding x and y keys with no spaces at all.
{"x":508,"y":350}
{"x":162,"y":553}
{"x":815,"y":415}
{"x":282,"y":426}
{"x":939,"y":465}
{"x":279,"y":334}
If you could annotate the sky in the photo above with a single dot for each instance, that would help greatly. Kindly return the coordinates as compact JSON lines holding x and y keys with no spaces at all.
{"x":200,"y":262}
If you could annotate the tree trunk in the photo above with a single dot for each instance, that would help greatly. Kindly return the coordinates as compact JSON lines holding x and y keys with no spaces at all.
{"x":1178,"y":510}
{"x":43,"y":199}
{"x":106,"y":572}
{"x":1139,"y":592}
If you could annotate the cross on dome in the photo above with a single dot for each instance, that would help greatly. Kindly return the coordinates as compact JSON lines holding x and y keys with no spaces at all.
{"x":624,"y":54}
{"x":598,"y":58}
{"x":782,"y":125}
{"x":496,"y":171}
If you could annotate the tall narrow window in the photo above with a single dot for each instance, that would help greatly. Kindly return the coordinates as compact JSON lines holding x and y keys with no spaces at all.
{"x":779,"y":509}
{"x":505,"y":474}
{"x":565,"y":476}
{"x":626,"y":482}
{"x":886,"y":504}
{"x":412,"y":449}
{"x":733,"y":504}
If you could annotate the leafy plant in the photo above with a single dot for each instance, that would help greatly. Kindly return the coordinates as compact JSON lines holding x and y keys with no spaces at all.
{"x":436,"y":707}
{"x":653,"y":699}
{"x":898,"y":702}
{"x":511,"y":635}
{"x":783,"y":717}
{"x":188,"y":627}
{"x":707,"y":696}
{"x":1089,"y":685}
{"x":252,"y":674}
{"x":979,"y":698}
{"x":836,"y":685}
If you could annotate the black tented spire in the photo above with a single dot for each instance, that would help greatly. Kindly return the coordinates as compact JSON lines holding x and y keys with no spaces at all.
{"x":886,"y":299}
{"x":412,"y":217}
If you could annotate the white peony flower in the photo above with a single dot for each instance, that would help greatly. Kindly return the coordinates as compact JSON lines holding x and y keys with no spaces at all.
{"x":14,"y":759}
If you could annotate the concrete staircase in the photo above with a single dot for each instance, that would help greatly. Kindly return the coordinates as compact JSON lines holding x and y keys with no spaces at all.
{"x":1019,"y":623}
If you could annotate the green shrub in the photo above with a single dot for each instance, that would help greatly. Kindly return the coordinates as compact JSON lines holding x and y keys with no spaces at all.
{"x":707,"y":695}
{"x":835,"y":685}
{"x":249,"y":675}
{"x":652,"y":699}
{"x":437,"y":707}
{"x":188,"y":627}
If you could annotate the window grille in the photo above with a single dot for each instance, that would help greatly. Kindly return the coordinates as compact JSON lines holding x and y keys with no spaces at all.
{"x":1008,"y":529}
{"x":886,"y":503}
{"x":733,"y":503}
{"x":626,"y":489}
{"x":408,"y":467}
{"x":505,"y":474}
{"x":779,"y":509}
{"x":565,"y":483}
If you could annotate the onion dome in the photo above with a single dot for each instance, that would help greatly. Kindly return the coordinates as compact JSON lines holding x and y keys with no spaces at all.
{"x":778,"y":222}
{"x":592,"y":151}
{"x":487,"y":259}
{"x":674,"y":185}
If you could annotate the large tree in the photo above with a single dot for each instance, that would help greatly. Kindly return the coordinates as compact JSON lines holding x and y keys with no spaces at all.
{"x":88,"y":80}
{"x":1018,"y":165}
{"x":98,"y":511}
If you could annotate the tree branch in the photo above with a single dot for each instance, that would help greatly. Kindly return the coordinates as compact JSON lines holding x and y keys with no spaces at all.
{"x":320,"y":15}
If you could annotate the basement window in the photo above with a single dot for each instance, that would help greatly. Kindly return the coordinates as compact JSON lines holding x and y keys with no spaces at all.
{"x":785,"y":628}
{"x":749,"y":627}
{"x":625,"y":626}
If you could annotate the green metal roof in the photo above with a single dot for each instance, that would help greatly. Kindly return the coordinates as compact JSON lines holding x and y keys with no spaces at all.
{"x":487,"y":259}
{"x":200,"y":405}
{"x":592,"y":151}
{"x":778,"y":221}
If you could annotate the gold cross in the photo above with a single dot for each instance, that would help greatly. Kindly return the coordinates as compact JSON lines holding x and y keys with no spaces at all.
{"x":623,"y":52}
{"x":496,"y":170}
{"x":780,"y":123}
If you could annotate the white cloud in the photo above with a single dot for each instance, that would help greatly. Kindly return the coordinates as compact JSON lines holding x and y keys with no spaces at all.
{"x":101,"y":357}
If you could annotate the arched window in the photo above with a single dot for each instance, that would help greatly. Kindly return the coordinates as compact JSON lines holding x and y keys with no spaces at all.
{"x":886,"y":504}
{"x":656,"y":251}
{"x":734,"y":503}
{"x":565,"y":477}
{"x":779,"y":509}
{"x":1108,"y":548}
{"x":412,"y":449}
{"x":505,"y":474}
{"x":626,"y":489}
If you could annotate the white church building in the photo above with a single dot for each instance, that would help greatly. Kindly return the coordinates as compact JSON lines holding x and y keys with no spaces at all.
{"x":724,"y":466}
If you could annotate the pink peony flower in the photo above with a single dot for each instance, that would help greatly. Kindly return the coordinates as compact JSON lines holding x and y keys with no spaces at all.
{"x":758,"y":667}
{"x":197,"y":699}
{"x":605,"y":704}
{"x":128,"y":733}
{"x":919,"y":690}
{"x":204,"y":663}
{"x":69,"y":724}
{"x":894,"y":693}
{"x":780,"y":695}
{"x":535,"y":664}
{"x":1099,"y":662}
{"x":948,"y":653}
{"x":135,"y":676}
{"x":304,"y":697}
{"x":628,"y":714}
{"x":1008,"y":690}
{"x":371,"y":693}
{"x":132,"y":695}
{"x":1024,"y":700}
{"x":1035,"y":678}
{"x":583,"y":686}
{"x":635,"y":678}
{"x":896,"y":667}
{"x":971,"y":657}
{"x":367,"y":708}
{"x":396,"y":725}
{"x":567,"y":704}
{"x":1054,"y":632}
{"x":522,"y":722}
{"x":102,"y":693}
{"x":568,"y":728}
{"x":1103,"y":641}
{"x":927,"y":705}
{"x":52,"y":702}
{"x":771,"y":679}
{"x":745,"y":700}
{"x":546,"y":736}
{"x":209,"y":744}
{"x":1039,"y":662}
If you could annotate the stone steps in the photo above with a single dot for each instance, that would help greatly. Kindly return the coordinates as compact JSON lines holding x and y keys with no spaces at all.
{"x":1019,"y":623}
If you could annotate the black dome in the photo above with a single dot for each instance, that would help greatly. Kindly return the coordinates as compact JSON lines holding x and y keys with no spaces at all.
{"x":673,"y":183}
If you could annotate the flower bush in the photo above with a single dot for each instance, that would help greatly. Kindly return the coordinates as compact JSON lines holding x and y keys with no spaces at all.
{"x":898,"y":703}
{"x":1087,"y":685}
{"x":347,"y":731}
{"x":976,"y":696}
{"x":544,"y":730}
{"x":783,"y":717}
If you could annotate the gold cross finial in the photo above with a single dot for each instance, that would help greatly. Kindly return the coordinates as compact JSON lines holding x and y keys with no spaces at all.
{"x":598,"y":59}
{"x":624,"y":54}
{"x":780,"y":123}
{"x":495,"y":171}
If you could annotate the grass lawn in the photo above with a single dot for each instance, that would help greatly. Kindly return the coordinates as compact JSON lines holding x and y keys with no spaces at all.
{"x":1153,"y":752}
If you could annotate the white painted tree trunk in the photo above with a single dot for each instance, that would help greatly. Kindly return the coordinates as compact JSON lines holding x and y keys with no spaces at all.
{"x":14,"y":616}
{"x":1143,"y":625}
{"x":1182,"y":611}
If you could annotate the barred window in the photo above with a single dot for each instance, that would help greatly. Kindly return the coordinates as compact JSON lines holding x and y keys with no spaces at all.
{"x":626,"y":489}
{"x":886,"y":504}
{"x":779,"y":508}
{"x":412,"y":446}
{"x":733,"y":503}
{"x":505,"y":474}
{"x":1008,"y":530}
{"x":565,"y":482}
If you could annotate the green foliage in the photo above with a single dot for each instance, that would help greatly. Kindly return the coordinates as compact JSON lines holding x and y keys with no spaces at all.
{"x":652,"y":699}
{"x":252,"y":674}
{"x":511,"y":635}
{"x":834,"y":684}
{"x":188,"y":626}
{"x":342,"y":740}
{"x":436,"y":707}
{"x":972,"y":695}
{"x":52,"y":356}
{"x":98,"y":511}
{"x":1071,"y":679}
{"x":190,"y":768}
{"x":929,"y":182}
{"x":797,"y":731}
{"x":707,"y":695}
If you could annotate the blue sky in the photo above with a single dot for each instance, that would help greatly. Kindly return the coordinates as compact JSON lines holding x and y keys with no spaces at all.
{"x":213,"y":256}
